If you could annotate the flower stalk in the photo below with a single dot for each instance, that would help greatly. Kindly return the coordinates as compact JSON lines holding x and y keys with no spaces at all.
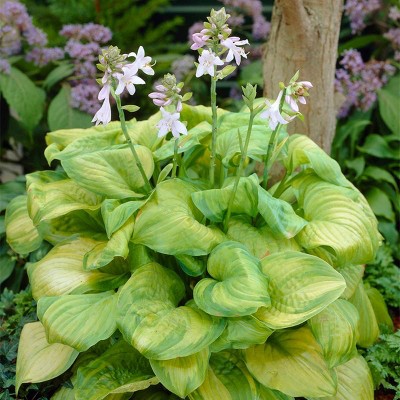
{"x":175,"y":159}
{"x":213,"y":93}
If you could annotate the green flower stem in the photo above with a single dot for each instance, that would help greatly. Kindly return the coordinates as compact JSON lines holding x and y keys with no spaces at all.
{"x":239,"y":170}
{"x":214,"y":127}
{"x":147,"y":184}
{"x":271,"y":144}
{"x":175,"y":160}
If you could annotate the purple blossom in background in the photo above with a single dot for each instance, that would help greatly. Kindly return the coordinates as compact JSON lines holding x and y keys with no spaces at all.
{"x":84,"y":96}
{"x":41,"y":56}
{"x":35,"y":37}
{"x":236,"y":20}
{"x":394,"y":36}
{"x":358,"y":10}
{"x":16,"y":14}
{"x":182,"y":66}
{"x":261,"y":28}
{"x":5,"y":67}
{"x":89,"y":32}
{"x":359,"y":81}
{"x":394,"y":14}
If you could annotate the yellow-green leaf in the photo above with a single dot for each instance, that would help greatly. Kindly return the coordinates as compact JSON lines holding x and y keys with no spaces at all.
{"x":379,"y":306}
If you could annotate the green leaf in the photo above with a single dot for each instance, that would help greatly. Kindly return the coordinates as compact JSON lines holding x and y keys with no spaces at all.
{"x":238,"y":288}
{"x":279,"y":215}
{"x":184,"y":374}
{"x":303,"y":151}
{"x":61,"y":272}
{"x":62,"y":116}
{"x":57,"y":74}
{"x":22,"y":236}
{"x":192,"y":266}
{"x":164,"y":173}
{"x":291,"y":361}
{"x":24,"y":98}
{"x":251,"y":73}
{"x":380,"y":174}
{"x":378,"y":305}
{"x":131,"y":108}
{"x":241,"y":333}
{"x":359,"y":42}
{"x":342,"y":228}
{"x":169,"y":222}
{"x":335,"y":329}
{"x":150,"y":320}
{"x":357,"y":164}
{"x":259,"y":241}
{"x":367,"y":324}
{"x":9,"y":190}
{"x":194,"y":115}
{"x":300,"y":286}
{"x":227,"y":378}
{"x":64,"y":393}
{"x":39,"y":361}
{"x":120,"y":369}
{"x":110,"y":172}
{"x":389,"y":104}
{"x":7,"y":265}
{"x":353,"y":275}
{"x":79,"y":321}
{"x":354,"y":381}
{"x":377,"y":146}
{"x":214,"y":203}
{"x":52,"y":194}
{"x":380,"y":203}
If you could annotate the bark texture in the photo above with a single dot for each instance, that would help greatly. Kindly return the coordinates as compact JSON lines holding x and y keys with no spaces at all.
{"x":304,"y":36}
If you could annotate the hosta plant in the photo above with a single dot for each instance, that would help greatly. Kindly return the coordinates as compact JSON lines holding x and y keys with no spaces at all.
{"x":178,"y":271}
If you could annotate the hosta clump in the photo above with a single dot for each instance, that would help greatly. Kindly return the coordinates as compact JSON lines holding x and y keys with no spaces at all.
{"x":204,"y":280}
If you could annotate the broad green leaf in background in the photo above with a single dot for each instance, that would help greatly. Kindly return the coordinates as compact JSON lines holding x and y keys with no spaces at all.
{"x":303,"y":151}
{"x":380,"y":203}
{"x":300,"y":286}
{"x":214,"y":203}
{"x":38,"y":360}
{"x":111,"y":172}
{"x":352,"y":274}
{"x":150,"y":320}
{"x":354,"y":381}
{"x":79,"y":321}
{"x":61,"y":272}
{"x":120,"y":369}
{"x":259,"y":241}
{"x":52,"y":194}
{"x":342,"y":229}
{"x":238,"y":287}
{"x":291,"y":361}
{"x":379,"y":306}
{"x":227,"y":378}
{"x":57,"y":74}
{"x":10,"y":190}
{"x":367,"y":325}
{"x":22,"y":236}
{"x":182,"y":375}
{"x":279,"y":215}
{"x":115,"y":214}
{"x":61,"y":115}
{"x":169,"y":222}
{"x":24,"y":98}
{"x":241,"y":333}
{"x":389,"y":104}
{"x":7,"y":265}
{"x":336,"y":330}
{"x":377,"y":146}
{"x":379,"y":175}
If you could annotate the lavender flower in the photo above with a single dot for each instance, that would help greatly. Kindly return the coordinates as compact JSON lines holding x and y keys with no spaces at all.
{"x":84,"y":96}
{"x":394,"y":13}
{"x":89,"y":32}
{"x":5,"y":67}
{"x":261,"y":28}
{"x":182,"y":66}
{"x":41,"y":56}
{"x":358,"y":10}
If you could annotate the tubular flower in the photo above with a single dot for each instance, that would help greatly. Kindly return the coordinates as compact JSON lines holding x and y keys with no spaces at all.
{"x":232,"y":44}
{"x":207,"y":61}
{"x":170,"y":123}
{"x":273,"y":114}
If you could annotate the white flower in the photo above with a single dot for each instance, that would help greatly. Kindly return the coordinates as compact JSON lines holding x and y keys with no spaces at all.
{"x":207,"y":61}
{"x":236,"y":52}
{"x":296,"y":94}
{"x":170,"y":123}
{"x":142,"y":62}
{"x":272,"y":113}
{"x":128,"y":80}
{"x":104,"y":92}
{"x":103,"y":116}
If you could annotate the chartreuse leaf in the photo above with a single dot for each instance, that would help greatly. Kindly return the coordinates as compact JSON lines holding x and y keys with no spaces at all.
{"x":238,"y":286}
{"x":194,"y":115}
{"x":106,"y":250}
{"x":354,"y":381}
{"x":227,"y":378}
{"x":169,"y":222}
{"x":291,"y":361}
{"x":22,"y":236}
{"x":342,"y":229}
{"x":80,"y":320}
{"x":259,"y":241}
{"x":111,"y":172}
{"x":241,"y":333}
{"x":336,"y":330}
{"x":214,"y":203}
{"x":367,"y":325}
{"x":352,"y":274}
{"x":64,"y":393}
{"x":303,"y":151}
{"x":61,"y":271}
{"x":270,"y":394}
{"x":150,"y":320}
{"x":279,"y":215}
{"x":378,"y":304}
{"x":182,"y":375}
{"x":300,"y":286}
{"x":120,"y":369}
{"x":115,"y":213}
{"x":38,"y":360}
{"x":52,"y":194}
{"x":193,"y":266}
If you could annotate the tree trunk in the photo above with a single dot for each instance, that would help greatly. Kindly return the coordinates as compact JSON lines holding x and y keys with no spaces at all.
{"x":304,"y":36}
